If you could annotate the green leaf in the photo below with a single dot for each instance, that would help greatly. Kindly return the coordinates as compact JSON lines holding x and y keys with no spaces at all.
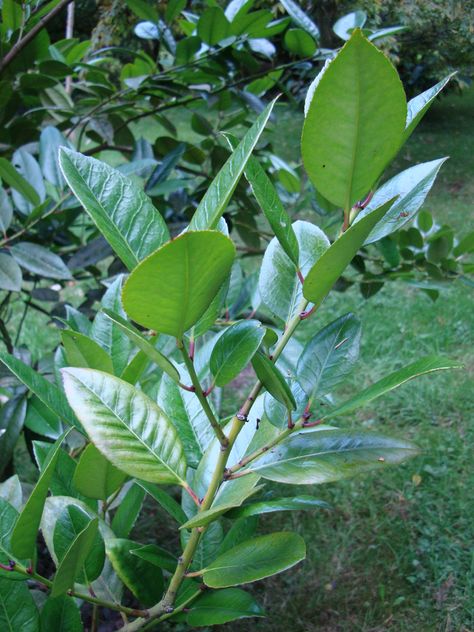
{"x":344,"y":26}
{"x":17,"y":607}
{"x":391,"y":381}
{"x":222,"y":606}
{"x":324,"y":456}
{"x":300,"y":18}
{"x":60,"y":613}
{"x":121,"y":210}
{"x":41,"y":420}
{"x":174,"y":286}
{"x":419,"y":105}
{"x":46,"y":392}
{"x":273,"y":380}
{"x":337,"y":257}
{"x":234,"y":350}
{"x":109,"y":336}
{"x":165,"y":501}
{"x":73,"y":561}
{"x":23,"y":540}
{"x":40,"y":260}
{"x":299,"y":42}
{"x":71,"y":522}
{"x":10,"y":274}
{"x":355,"y":122}
{"x":219,"y":193}
{"x":83,"y":352}
{"x":95,"y":477}
{"x":142,"y":343}
{"x":411,"y":186}
{"x":10,"y":176}
{"x":213,"y":26}
{"x":29,"y":169}
{"x":6,"y":211}
{"x":126,"y":426}
{"x":61,"y":483}
{"x":51,"y":140}
{"x":295,"y":503}
{"x":141,"y":577}
{"x":157,"y":556}
{"x":255,"y":559}
{"x":10,"y":490}
{"x":465,"y":245}
{"x":12,"y":418}
{"x":128,"y":511}
{"x":329,"y":356}
{"x":276,"y":412}
{"x":279,"y":285}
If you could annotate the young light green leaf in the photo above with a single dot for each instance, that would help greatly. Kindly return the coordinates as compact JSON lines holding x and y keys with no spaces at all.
{"x":255,"y":559}
{"x":40,"y":260}
{"x":324,"y":456}
{"x":95,"y":477}
{"x":12,"y":418}
{"x":411,"y":186}
{"x":10,"y":273}
{"x":23,"y":540}
{"x":142,"y":343}
{"x":46,"y":392}
{"x":123,"y":213}
{"x":300,"y":18}
{"x":128,"y":511}
{"x":279,"y":284}
{"x":273,"y":380}
{"x":174,"y":286}
{"x":130,"y":430}
{"x":140,"y":576}
{"x":83,"y":352}
{"x":61,"y":613}
{"x":329,"y":356}
{"x":10,"y":176}
{"x":337,"y":257}
{"x":419,"y":105}
{"x":355,"y":122}
{"x":295,"y":503}
{"x":391,"y":381}
{"x":234,"y":350}
{"x":219,"y":193}
{"x":73,"y":561}
{"x":18,"y":610}
{"x":222,"y":606}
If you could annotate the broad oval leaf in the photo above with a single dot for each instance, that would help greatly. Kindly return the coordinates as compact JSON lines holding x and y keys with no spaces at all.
{"x":95,"y":477}
{"x":222,"y":606}
{"x":324,"y":456}
{"x":123,"y":213}
{"x":174,"y":286}
{"x":83,"y":352}
{"x":411,"y":186}
{"x":392,"y":381}
{"x":337,"y":257}
{"x":255,"y":559}
{"x":39,"y":260}
{"x":273,"y":380}
{"x":234,"y":350}
{"x":10,"y":273}
{"x":218,"y":195}
{"x":355,"y":122}
{"x":329,"y":356}
{"x":130,"y":430}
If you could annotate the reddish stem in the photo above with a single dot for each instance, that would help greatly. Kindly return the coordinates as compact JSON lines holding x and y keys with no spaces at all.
{"x":193,"y":495}
{"x":191,"y":389}
{"x":307,"y":313}
{"x":300,"y":276}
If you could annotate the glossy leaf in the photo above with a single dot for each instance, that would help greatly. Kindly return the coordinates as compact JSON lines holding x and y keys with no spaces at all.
{"x":419,"y":105}
{"x":51,"y":140}
{"x":255,"y":559}
{"x":300,"y":42}
{"x":354,"y":124}
{"x":18,"y":610}
{"x":219,"y":193}
{"x":294,"y":503}
{"x":95,"y":477}
{"x":429,"y":364}
{"x":276,"y":412}
{"x":234,"y":350}
{"x":130,"y":430}
{"x":337,"y":257}
{"x":73,"y":561}
{"x":141,"y":577}
{"x":222,"y":606}
{"x":10,"y":273}
{"x":279,"y":285}
{"x":10,"y":176}
{"x":300,"y":18}
{"x":174,"y":286}
{"x":411,"y":186}
{"x":12,"y":418}
{"x":23,"y":540}
{"x":142,"y":343}
{"x":60,"y":613}
{"x":273,"y":380}
{"x":329,"y":356}
{"x":128,"y":511}
{"x":39,"y":260}
{"x":83,"y":352}
{"x":324,"y":456}
{"x":123,"y":213}
{"x":344,"y":26}
{"x":46,"y":392}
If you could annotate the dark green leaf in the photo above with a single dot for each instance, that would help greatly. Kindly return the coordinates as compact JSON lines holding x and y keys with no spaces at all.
{"x":10,"y":273}
{"x":29,"y":169}
{"x":157,"y":556}
{"x":213,"y":26}
{"x":234,"y":350}
{"x":300,"y":42}
{"x":128,"y":511}
{"x":222,"y":606}
{"x":40,"y":260}
{"x":10,"y":176}
{"x":12,"y":418}
{"x":61,"y":614}
{"x":17,"y":608}
{"x":273,"y":380}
